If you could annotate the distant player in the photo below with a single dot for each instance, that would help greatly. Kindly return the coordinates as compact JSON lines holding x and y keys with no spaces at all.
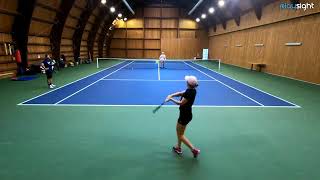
{"x":47,"y":66}
{"x":186,"y":101}
{"x":162,"y":58}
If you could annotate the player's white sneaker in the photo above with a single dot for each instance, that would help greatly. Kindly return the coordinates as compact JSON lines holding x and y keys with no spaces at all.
{"x":51,"y":87}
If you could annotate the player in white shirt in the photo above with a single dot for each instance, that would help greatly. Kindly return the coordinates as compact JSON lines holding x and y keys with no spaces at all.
{"x":162,"y":58}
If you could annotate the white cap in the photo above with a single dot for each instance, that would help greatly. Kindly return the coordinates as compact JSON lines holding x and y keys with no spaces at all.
{"x":191,"y":80}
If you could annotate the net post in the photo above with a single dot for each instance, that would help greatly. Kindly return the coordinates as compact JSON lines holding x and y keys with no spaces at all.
{"x":97,"y":63}
{"x":219,"y":64}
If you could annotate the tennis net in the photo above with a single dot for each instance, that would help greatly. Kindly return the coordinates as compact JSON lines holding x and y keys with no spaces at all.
{"x":153,"y":64}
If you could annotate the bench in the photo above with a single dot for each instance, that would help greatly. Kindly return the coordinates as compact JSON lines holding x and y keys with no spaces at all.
{"x":259,"y":65}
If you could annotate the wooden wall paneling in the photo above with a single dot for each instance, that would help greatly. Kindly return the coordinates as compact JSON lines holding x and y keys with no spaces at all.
{"x":152,"y":34}
{"x":189,"y":48}
{"x":152,"y":44}
{"x":169,"y":33}
{"x":39,"y":49}
{"x":159,"y":33}
{"x":161,"y":14}
{"x":9,"y":5}
{"x":170,"y":12}
{"x":76,"y":12}
{"x":118,"y":43}
{"x":134,"y":34}
{"x":152,"y":12}
{"x":6,"y":22}
{"x":187,"y":33}
{"x":88,"y":26}
{"x":153,"y":54}
{"x":170,"y":47}
{"x":120,"y":33}
{"x":4,"y":37}
{"x":66,"y":42}
{"x":71,"y":22}
{"x":39,"y":40}
{"x":134,"y":44}
{"x":85,"y":35}
{"x":67,"y":33}
{"x":43,"y":13}
{"x":65,"y":49}
{"x":261,"y":37}
{"x":135,"y":23}
{"x":187,"y":24}
{"x":169,"y":23}
{"x":300,"y":62}
{"x":144,"y":36}
{"x":8,"y":9}
{"x":39,"y":28}
{"x":135,"y":54}
{"x":8,"y":67}
{"x":5,"y":57}
{"x":226,"y":46}
{"x":152,"y":23}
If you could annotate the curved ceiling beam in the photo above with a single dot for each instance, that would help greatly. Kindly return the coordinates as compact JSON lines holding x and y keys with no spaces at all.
{"x":94,"y":30}
{"x":77,"y":35}
{"x":257,"y":5}
{"x":105,"y":30}
{"x":103,"y":34}
{"x":20,"y":28}
{"x":57,"y":28}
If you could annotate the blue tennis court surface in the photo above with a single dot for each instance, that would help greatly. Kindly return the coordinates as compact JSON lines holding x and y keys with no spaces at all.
{"x":142,"y":83}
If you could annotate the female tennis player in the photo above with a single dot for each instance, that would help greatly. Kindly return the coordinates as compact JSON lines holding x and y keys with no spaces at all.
{"x":186,"y":101}
{"x":162,"y":58}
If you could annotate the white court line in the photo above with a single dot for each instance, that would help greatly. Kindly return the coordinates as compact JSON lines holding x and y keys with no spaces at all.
{"x":69,"y":83}
{"x":159,"y":71}
{"x":248,"y":85}
{"x":152,"y":80}
{"x":91,"y":84}
{"x":175,"y":106}
{"x":226,"y":85}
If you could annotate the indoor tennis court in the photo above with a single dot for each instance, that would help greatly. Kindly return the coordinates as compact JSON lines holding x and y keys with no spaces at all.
{"x":98,"y":89}
{"x":113,"y":87}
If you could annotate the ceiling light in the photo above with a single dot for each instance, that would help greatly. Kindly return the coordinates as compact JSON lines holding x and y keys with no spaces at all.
{"x":125,"y":19}
{"x":211,"y":10}
{"x":221,"y":3}
{"x":112,"y":9}
{"x":198,"y":19}
{"x":103,"y":1}
{"x":120,"y":15}
{"x":203,"y":16}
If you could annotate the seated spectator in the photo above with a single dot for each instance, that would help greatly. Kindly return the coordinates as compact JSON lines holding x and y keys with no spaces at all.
{"x":62,"y":61}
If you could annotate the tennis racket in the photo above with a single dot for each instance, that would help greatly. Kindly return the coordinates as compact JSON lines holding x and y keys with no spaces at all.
{"x":158,"y":107}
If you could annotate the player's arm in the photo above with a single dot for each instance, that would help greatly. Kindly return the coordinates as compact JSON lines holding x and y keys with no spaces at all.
{"x":43,"y":67}
{"x":182,"y":102}
{"x":177,"y":94}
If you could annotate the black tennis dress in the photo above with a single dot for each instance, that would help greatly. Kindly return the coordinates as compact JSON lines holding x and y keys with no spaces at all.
{"x":186,"y":110}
